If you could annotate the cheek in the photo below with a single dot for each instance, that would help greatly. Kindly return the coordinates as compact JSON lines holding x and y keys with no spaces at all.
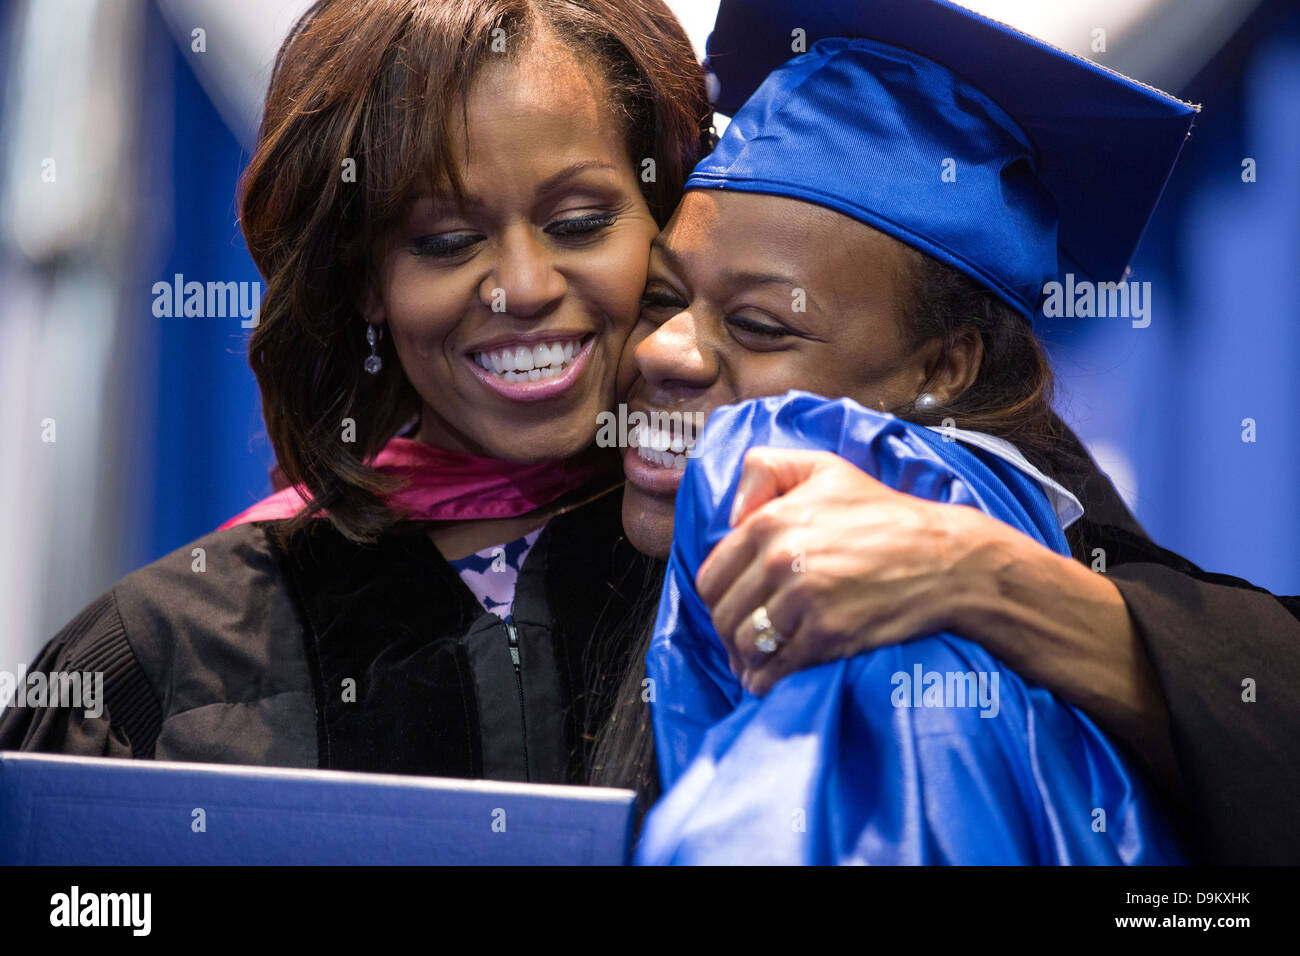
{"x":614,"y":278}
{"x":861,"y":370}
{"x":627,"y":367}
{"x":760,"y":374}
{"x":422,"y":309}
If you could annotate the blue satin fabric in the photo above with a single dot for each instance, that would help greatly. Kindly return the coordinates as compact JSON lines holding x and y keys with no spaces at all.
{"x":826,"y":768}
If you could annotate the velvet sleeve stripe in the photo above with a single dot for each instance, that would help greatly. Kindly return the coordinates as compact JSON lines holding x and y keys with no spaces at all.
{"x":94,"y":641}
{"x":98,"y":643}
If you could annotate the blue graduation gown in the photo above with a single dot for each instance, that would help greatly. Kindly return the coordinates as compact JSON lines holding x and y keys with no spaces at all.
{"x":931,"y":751}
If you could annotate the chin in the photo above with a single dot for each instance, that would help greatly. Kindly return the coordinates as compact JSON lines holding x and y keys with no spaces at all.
{"x":648,"y":522}
{"x":547,"y":441}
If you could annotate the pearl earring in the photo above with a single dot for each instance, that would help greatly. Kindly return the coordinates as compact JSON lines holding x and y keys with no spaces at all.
{"x":373,"y":362}
{"x":925,"y":401}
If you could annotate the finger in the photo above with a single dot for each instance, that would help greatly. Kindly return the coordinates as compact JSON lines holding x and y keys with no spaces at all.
{"x":745,"y":638}
{"x":811,"y":641}
{"x":768,"y":473}
{"x":760,"y":676}
{"x":735,"y":664}
{"x":806,"y":644}
{"x":733,"y":612}
{"x":725,"y":562}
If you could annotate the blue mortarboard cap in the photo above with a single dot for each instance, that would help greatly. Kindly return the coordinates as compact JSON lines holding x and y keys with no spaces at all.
{"x":1056,"y":162}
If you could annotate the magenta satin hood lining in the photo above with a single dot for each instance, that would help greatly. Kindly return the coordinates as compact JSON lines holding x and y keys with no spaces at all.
{"x":444,"y":485}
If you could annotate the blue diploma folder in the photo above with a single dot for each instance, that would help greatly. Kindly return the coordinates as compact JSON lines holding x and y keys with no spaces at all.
{"x":83,"y":811}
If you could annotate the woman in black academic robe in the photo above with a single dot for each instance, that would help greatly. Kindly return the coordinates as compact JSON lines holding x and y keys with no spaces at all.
{"x":449,"y":211}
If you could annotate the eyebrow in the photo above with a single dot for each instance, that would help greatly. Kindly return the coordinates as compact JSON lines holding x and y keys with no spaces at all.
{"x":548,"y":185}
{"x":729,"y":276}
{"x":570,"y":172}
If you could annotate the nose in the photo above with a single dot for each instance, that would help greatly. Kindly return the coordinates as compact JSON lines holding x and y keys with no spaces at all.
{"x":525,"y":282}
{"x":674,"y":356}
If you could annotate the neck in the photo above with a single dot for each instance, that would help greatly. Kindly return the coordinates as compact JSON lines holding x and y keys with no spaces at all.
{"x":460,"y":539}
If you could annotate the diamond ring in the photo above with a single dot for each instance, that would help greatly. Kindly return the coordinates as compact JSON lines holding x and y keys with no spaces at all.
{"x":769,"y":638}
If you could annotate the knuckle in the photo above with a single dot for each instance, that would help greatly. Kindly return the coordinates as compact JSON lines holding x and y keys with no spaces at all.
{"x":765,"y":522}
{"x":776,"y":563}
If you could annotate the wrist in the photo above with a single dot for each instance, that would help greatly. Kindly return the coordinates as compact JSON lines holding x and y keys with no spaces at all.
{"x":1065,"y":627}
{"x":985,"y":578}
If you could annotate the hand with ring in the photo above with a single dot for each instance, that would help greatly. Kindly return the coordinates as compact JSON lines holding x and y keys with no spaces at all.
{"x":824,"y":562}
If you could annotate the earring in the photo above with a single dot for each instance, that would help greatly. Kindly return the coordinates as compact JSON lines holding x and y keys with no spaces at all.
{"x":373,"y":362}
{"x":925,"y":401}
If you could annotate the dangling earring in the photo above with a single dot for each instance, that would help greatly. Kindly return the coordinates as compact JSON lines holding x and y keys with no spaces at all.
{"x":373,"y":362}
{"x":925,"y":401}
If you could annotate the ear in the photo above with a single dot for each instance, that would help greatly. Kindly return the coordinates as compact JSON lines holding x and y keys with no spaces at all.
{"x":949,"y":373}
{"x":373,"y":308}
{"x":368,"y":294}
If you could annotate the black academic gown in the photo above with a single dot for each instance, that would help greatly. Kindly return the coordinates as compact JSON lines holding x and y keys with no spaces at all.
{"x":1206,"y":634}
{"x":325,"y":653}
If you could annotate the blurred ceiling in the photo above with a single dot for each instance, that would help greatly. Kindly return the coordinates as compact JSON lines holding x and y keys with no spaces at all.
{"x":1159,"y":42}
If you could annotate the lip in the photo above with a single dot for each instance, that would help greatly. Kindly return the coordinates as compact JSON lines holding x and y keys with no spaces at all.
{"x":651,"y":479}
{"x":533,"y":391}
{"x":527,"y":338}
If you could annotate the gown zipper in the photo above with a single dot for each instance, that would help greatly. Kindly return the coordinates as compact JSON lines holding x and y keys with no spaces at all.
{"x":513,"y":636}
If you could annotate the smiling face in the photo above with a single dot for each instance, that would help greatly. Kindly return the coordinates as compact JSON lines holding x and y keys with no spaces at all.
{"x":752,"y":295}
{"x":509,"y":311}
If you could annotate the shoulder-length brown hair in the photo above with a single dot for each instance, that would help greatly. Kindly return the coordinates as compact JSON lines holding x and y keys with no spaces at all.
{"x":356,"y":121}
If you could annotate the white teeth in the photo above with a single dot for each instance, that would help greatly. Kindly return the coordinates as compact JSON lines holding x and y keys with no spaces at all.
{"x":658,"y":445}
{"x":657,"y":438}
{"x":519,"y":364}
{"x":662,"y":459}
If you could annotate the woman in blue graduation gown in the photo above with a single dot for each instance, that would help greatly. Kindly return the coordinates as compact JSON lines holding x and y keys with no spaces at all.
{"x":910,"y":136}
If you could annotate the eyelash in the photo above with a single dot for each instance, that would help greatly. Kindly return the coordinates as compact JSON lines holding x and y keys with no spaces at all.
{"x":572,"y":230}
{"x":581,"y":225}
{"x":663,"y":300}
{"x":443,"y":247}
{"x":660,"y":300}
{"x":757,"y":328}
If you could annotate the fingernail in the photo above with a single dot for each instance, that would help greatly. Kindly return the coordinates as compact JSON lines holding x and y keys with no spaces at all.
{"x":735,"y":507}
